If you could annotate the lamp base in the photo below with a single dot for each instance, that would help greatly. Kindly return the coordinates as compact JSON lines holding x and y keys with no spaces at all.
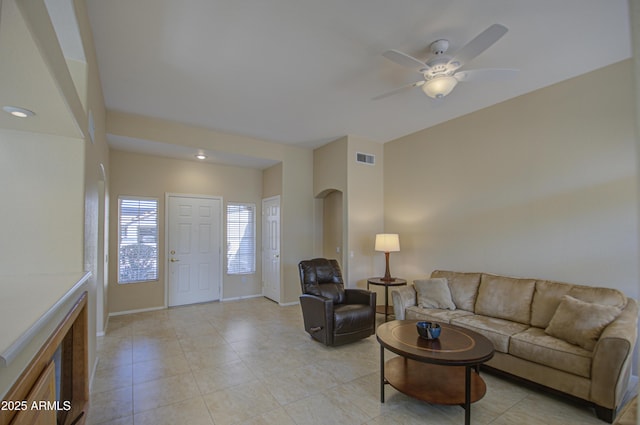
{"x":387,"y":274}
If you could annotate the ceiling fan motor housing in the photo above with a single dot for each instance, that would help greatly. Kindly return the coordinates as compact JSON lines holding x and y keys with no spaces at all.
{"x":439,"y":47}
{"x":438,"y":65}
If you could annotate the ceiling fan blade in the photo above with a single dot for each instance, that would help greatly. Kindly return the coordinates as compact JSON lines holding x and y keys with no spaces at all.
{"x":398,"y":90}
{"x":404,"y":59}
{"x":488,"y":74}
{"x":482,"y":42}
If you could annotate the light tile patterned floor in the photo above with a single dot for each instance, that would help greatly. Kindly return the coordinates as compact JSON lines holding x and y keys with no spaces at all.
{"x":250,"y":362}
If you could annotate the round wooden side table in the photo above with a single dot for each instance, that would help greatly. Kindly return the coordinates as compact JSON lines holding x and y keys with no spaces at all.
{"x":378,"y":281}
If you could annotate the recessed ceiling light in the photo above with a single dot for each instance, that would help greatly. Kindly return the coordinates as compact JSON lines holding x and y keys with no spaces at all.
{"x":201,"y":156}
{"x":18,"y":112}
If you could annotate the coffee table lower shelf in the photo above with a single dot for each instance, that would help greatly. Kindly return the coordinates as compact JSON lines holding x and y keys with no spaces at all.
{"x":432,"y":383}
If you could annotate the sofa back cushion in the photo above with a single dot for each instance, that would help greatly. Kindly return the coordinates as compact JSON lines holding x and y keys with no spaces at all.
{"x":546,"y":298}
{"x":505,"y":298}
{"x":604,"y":296}
{"x":463,"y":287}
{"x":548,"y":294}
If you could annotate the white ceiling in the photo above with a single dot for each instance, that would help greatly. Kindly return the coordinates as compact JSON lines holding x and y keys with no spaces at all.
{"x":305,"y":71}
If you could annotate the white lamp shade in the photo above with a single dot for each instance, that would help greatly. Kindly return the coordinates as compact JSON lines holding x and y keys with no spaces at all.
{"x":439,"y":87}
{"x":387,"y":242}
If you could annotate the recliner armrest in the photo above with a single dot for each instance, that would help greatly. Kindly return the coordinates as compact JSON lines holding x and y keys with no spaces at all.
{"x":316,"y":302}
{"x":317,"y":313}
{"x":360,"y":296}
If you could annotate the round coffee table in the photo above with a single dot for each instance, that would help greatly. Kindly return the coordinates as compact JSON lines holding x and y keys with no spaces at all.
{"x":437,"y":371}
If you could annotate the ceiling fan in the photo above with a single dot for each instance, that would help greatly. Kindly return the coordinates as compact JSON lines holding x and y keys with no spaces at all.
{"x":442,"y":72}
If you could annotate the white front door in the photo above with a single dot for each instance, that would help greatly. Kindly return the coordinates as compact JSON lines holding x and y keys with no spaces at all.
{"x":194,"y":249}
{"x":271,"y":248}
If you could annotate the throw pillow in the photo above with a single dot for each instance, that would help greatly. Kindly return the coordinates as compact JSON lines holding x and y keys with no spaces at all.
{"x":580,"y":322}
{"x":434,"y":293}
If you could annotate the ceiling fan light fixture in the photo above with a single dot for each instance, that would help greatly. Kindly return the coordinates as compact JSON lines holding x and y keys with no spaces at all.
{"x":439,"y":87}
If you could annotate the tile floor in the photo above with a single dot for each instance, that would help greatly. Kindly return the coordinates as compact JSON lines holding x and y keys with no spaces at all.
{"x":250,"y":362}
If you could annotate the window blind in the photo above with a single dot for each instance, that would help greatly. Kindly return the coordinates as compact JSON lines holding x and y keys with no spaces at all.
{"x":137,"y":240}
{"x":241,"y":238}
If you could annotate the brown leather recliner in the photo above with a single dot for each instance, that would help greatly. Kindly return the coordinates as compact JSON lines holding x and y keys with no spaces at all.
{"x":332,"y":314}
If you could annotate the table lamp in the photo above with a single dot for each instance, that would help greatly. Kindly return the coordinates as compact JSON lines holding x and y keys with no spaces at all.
{"x":387,"y":242}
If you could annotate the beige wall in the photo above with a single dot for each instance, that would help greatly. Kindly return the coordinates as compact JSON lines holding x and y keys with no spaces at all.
{"x":151,"y":176}
{"x":272,"y":181}
{"x":330,"y":167}
{"x":175,"y":133}
{"x":42,"y":206}
{"x":543,"y":185}
{"x":297,"y":208}
{"x":365,"y":210}
{"x":361,"y":188}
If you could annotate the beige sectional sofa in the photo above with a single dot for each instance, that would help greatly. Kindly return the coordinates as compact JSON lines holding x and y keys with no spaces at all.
{"x":575,"y":339}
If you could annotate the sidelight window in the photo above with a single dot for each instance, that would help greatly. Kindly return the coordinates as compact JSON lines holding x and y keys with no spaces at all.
{"x":241,"y":238}
{"x":137,"y":239}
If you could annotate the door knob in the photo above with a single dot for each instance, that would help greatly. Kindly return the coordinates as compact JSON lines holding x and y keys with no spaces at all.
{"x":173,"y":260}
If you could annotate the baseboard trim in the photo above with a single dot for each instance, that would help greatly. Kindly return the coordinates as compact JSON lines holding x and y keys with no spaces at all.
{"x":141,"y":310}
{"x":244,"y":297}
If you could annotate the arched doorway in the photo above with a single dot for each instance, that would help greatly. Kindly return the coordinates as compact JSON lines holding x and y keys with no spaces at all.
{"x":332,"y":233}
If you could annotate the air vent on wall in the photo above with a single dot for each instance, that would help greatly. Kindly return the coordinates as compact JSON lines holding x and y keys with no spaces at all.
{"x":365,"y":158}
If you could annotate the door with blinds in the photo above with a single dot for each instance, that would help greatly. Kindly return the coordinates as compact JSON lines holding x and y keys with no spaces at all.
{"x":194,"y":249}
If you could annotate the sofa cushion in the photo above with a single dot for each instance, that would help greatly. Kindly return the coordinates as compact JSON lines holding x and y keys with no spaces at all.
{"x":546,"y":299}
{"x":434,"y":293}
{"x":434,"y":314}
{"x":580,"y":322}
{"x":463,"y":287}
{"x":498,"y":331}
{"x":505,"y":298}
{"x":537,"y":346}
